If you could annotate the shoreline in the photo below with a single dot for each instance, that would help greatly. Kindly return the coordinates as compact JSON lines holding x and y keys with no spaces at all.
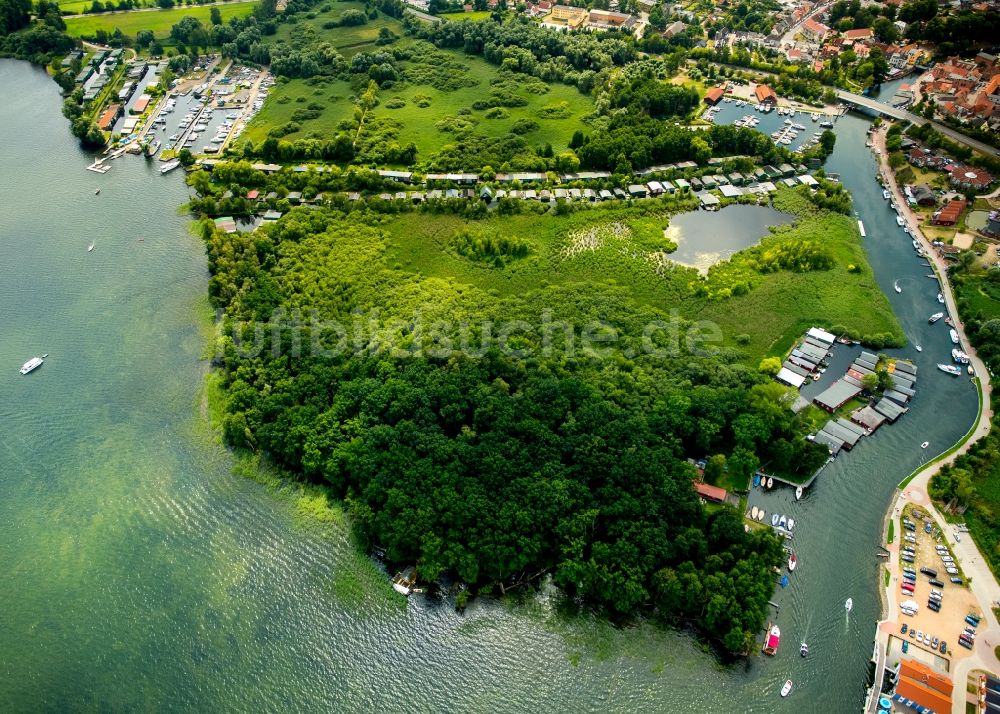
{"x":913,"y":489}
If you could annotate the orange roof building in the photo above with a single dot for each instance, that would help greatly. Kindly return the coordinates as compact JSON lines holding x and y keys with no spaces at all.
{"x":766,"y":95}
{"x":710,"y":493}
{"x":923,"y":685}
{"x":714,"y":95}
{"x":109,"y":116}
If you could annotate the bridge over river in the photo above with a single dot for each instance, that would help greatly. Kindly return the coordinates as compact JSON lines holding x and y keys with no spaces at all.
{"x":884,"y":109}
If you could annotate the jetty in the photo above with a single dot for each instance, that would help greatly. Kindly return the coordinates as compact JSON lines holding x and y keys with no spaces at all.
{"x":99,"y":167}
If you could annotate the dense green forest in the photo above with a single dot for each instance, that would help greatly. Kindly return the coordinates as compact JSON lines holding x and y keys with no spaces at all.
{"x":37,"y":40}
{"x":973,"y":481}
{"x":489,"y":424}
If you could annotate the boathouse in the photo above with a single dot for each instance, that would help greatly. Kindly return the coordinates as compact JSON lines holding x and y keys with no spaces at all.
{"x":890,"y":410}
{"x":868,"y":418}
{"x":789,"y":375}
{"x":836,"y":395}
{"x":821,"y":336}
{"x":714,"y":95}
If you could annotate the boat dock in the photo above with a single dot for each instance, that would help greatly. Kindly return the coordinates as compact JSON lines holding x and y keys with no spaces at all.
{"x":861,"y":227}
{"x":99,"y":167}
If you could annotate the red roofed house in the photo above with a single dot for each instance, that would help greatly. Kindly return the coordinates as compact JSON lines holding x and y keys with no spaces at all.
{"x":714,"y":95}
{"x":924,"y":686}
{"x":766,"y":95}
{"x":948,"y":216}
{"x":862,"y":34}
{"x":253,"y":195}
{"x":710,"y":493}
{"x":969,"y":177}
{"x":815,"y":30}
{"x":109,"y":117}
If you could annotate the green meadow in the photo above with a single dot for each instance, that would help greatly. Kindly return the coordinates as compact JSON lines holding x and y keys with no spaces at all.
{"x":611,"y":245}
{"x":158,"y":21}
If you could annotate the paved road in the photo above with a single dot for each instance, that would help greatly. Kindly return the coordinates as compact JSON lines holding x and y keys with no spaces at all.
{"x":981,"y":580}
{"x":904,"y":115}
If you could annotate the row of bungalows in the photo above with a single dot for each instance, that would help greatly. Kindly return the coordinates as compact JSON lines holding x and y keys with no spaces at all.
{"x":806,"y":358}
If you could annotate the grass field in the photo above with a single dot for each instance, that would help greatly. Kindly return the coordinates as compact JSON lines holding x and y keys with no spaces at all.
{"x":347,"y":40}
{"x":159,"y":21}
{"x":425,"y":106}
{"x":775,"y":311}
{"x":467,"y":16}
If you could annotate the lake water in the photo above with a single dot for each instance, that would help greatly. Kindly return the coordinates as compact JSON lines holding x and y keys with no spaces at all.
{"x":139,"y":574}
{"x":705,"y":238}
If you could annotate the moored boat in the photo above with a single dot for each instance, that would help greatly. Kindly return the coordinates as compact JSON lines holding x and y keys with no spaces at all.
{"x":885,"y":194}
{"x":774,"y":519}
{"x":959,"y":356}
{"x":770,"y":482}
{"x":782,"y":521}
{"x":170,"y":166}
{"x":954,"y":336}
{"x":940,"y":298}
{"x":753,"y":513}
{"x":772,"y":640}
{"x":791,"y":523}
{"x":899,"y":221}
{"x":935,"y":317}
{"x":798,"y":493}
{"x":950,"y":369}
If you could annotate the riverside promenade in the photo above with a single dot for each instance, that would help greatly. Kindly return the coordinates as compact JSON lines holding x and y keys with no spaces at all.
{"x":982,"y":583}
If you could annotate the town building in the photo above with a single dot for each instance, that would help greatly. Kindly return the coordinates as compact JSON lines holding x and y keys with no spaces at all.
{"x":765,"y":95}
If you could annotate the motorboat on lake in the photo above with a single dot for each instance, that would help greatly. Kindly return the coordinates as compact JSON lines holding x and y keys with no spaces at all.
{"x":895,"y":286}
{"x":954,"y":336}
{"x":774,"y":519}
{"x":804,"y":649}
{"x":935,"y":317}
{"x":32,"y":364}
{"x":940,"y":298}
{"x":798,"y":493}
{"x":782,"y":522}
{"x":919,"y":348}
{"x":960,"y":357}
{"x":849,"y":605}
{"x":885,"y":194}
{"x":950,"y":369}
{"x":899,"y":221}
{"x":753,"y":513}
{"x":772,"y":640}
{"x":925,"y":445}
{"x":786,"y":689}
{"x":793,"y":561}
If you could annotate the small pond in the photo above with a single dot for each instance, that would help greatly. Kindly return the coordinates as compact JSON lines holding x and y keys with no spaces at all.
{"x":705,"y":238}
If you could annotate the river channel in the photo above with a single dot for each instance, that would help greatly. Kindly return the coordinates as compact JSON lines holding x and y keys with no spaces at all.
{"x":140,"y":574}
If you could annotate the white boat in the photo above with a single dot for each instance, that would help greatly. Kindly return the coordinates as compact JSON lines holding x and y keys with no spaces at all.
{"x":804,"y":649}
{"x":925,"y":445}
{"x":774,"y":519}
{"x":849,"y":604}
{"x":798,"y":493}
{"x":770,"y":482}
{"x":954,"y":336}
{"x":940,"y":298}
{"x":970,"y":369}
{"x":32,"y":364}
{"x":787,"y":688}
{"x":793,"y":561}
{"x":950,"y":369}
{"x":782,"y":522}
{"x":959,"y":357}
{"x":170,"y":166}
{"x":935,"y":317}
{"x":919,"y":348}
{"x":753,"y":513}
{"x":791,"y":523}
{"x":895,"y":286}
{"x":760,"y":515}
{"x":899,"y":220}
{"x":885,"y":194}
{"x":90,"y":247}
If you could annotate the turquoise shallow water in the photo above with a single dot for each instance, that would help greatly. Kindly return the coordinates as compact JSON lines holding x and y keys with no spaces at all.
{"x":139,"y":574}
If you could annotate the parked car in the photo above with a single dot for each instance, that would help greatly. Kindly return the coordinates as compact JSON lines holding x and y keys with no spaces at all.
{"x":904,"y":628}
{"x":944,"y":647}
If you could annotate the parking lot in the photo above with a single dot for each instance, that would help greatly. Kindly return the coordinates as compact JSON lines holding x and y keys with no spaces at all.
{"x":924,"y":554}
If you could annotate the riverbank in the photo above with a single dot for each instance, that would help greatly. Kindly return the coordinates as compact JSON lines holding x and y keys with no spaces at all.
{"x":913,"y":490}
